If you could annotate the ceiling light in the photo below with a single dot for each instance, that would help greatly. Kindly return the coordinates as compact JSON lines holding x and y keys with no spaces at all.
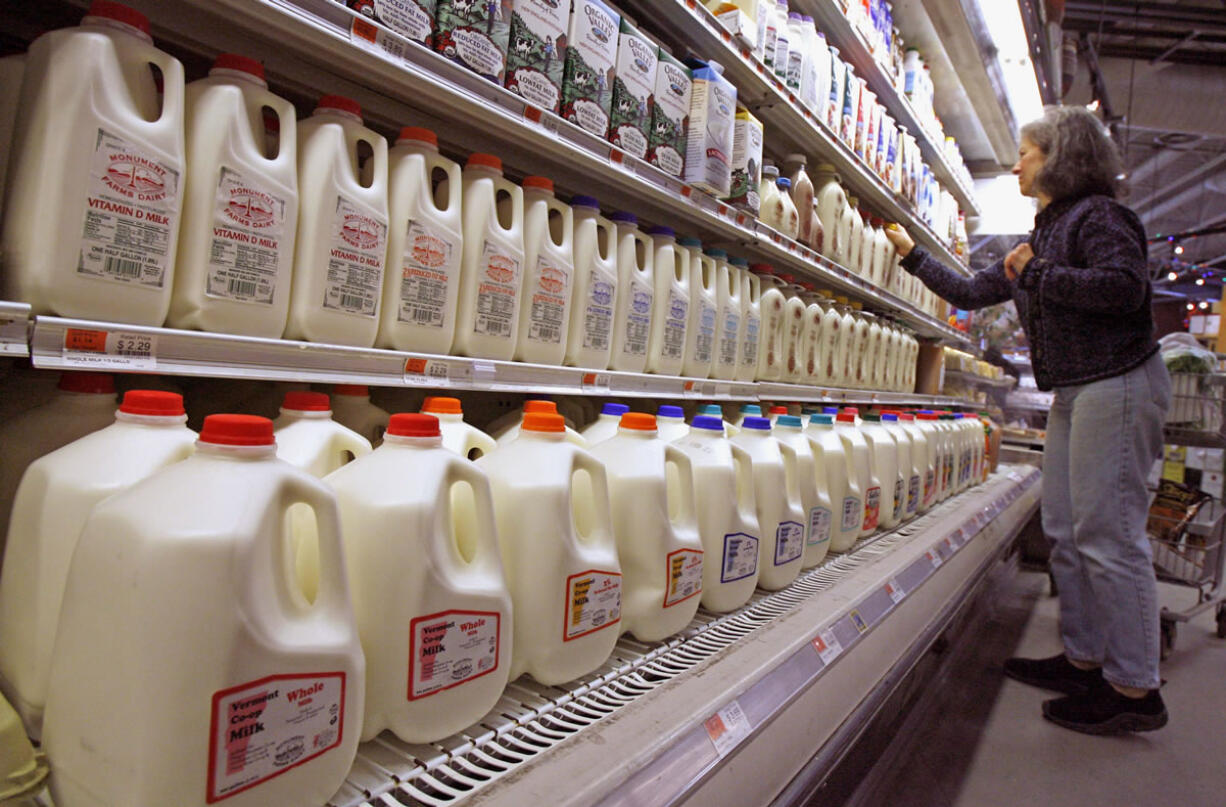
{"x":1200,"y":281}
{"x":1204,"y":304}
{"x":1008,"y":34}
{"x":1172,"y":276}
{"x":1191,"y":306}
{"x":1179,"y":249}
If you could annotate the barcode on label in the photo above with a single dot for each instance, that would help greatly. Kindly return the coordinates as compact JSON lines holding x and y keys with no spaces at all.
{"x":424,"y":315}
{"x":122,"y":268}
{"x":242,"y":288}
{"x":352,"y":301}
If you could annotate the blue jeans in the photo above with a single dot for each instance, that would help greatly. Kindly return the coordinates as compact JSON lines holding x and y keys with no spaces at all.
{"x":1102,"y":440}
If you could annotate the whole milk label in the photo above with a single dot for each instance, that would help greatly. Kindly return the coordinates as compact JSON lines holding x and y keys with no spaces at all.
{"x":246,"y":250}
{"x":819,"y":526}
{"x":426,"y":273}
{"x":497,"y":291}
{"x":550,"y":290}
{"x":673,"y":346}
{"x":872,"y":508}
{"x":593,"y":601}
{"x":789,"y":542}
{"x":131,"y":213}
{"x":638,"y":319}
{"x":264,"y":728}
{"x":598,"y":314}
{"x":355,"y":260}
{"x":683,"y":571}
{"x":449,"y":648}
{"x":740,"y":557}
{"x":853,"y":513}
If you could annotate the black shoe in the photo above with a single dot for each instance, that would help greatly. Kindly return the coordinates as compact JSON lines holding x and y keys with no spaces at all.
{"x":1103,"y":710}
{"x":1055,"y":673}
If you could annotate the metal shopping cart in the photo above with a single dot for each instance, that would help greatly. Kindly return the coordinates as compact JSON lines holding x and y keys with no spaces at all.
{"x":1198,"y":406}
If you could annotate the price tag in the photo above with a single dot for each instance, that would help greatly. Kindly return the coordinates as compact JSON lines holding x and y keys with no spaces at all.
{"x":110,"y":350}
{"x":435,"y":372}
{"x":858,"y":621}
{"x":895,"y":591}
{"x":827,"y":646}
{"x":376,"y":40}
{"x":691,"y":389}
{"x":478,"y":371}
{"x":13,"y":334}
{"x":934,"y":558}
{"x":687,"y":191}
{"x":727,"y":728}
{"x":596,"y":381}
{"x":949,"y":542}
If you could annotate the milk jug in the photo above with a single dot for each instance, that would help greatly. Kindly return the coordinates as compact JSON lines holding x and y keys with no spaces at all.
{"x":839,"y":478}
{"x":881,"y":255}
{"x":848,"y":237}
{"x":429,"y":597}
{"x":814,"y":493}
{"x":873,"y":356}
{"x":651,"y":493}
{"x":56,"y":496}
{"x":670,"y":423}
{"x":831,"y":322}
{"x":962,"y":469}
{"x":727,"y":517}
{"x":942,"y":462}
{"x":591,"y":324}
{"x":424,"y":246}
{"x":508,"y":431}
{"x":802,"y":192}
{"x":700,"y":333}
{"x":551,"y":500}
{"x":831,"y":201}
{"x":811,"y":336}
{"x":788,"y":221}
{"x":635,"y":295}
{"x":860,"y":464}
{"x":713,"y":410}
{"x":351,"y":407}
{"x":859,"y":348}
{"x":902,"y":440}
{"x":96,"y":171}
{"x":219,"y":670}
{"x":793,"y":324}
{"x":855,"y":234}
{"x":746,"y":411}
{"x":462,"y":438}
{"x":728,"y":320}
{"x":781,"y":517}
{"x":949,"y":482}
{"x":308,"y":437}
{"x":492,"y":269}
{"x":671,"y":304}
{"x":549,"y":269}
{"x":751,"y":322}
{"x":920,"y":468}
{"x":606,"y":424}
{"x":926,"y":422}
{"x":771,"y":356}
{"x":883,"y":452}
{"x":868,"y":239}
{"x":770,"y":211}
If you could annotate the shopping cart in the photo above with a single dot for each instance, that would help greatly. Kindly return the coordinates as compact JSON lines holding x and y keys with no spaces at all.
{"x":1198,"y":403}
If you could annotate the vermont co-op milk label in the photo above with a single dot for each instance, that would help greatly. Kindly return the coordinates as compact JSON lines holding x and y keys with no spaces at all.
{"x":413,"y":19}
{"x":475,"y":33}
{"x":675,"y":318}
{"x":591,"y":51}
{"x":593,"y":601}
{"x":684,"y":574}
{"x":670,"y":115}
{"x":248,"y":228}
{"x":451,"y":648}
{"x":497,"y":291}
{"x":630,"y":117}
{"x":429,"y":261}
{"x":130,"y":213}
{"x":536,"y":52}
{"x":355,"y":260}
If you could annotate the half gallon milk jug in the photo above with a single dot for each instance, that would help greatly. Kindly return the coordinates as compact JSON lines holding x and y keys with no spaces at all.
{"x":95,"y":181}
{"x":351,"y":407}
{"x":830,"y":200}
{"x":861,"y":467}
{"x":635,"y":295}
{"x":906,"y":475}
{"x":777,"y":497}
{"x":793,"y":331}
{"x":728,"y":320}
{"x":591,"y":324}
{"x":670,"y":423}
{"x":920,"y":468}
{"x":927,"y":423}
{"x":856,"y":243}
{"x":506,"y":429}
{"x":551,"y":499}
{"x":837,"y":476}
{"x":606,"y":424}
{"x":751,"y":322}
{"x":814,"y":494}
{"x":746,"y":411}
{"x":802,"y":192}
{"x":56,"y":496}
{"x":431,"y":604}
{"x":549,"y":270}
{"x":671,"y":305}
{"x":714,"y":410}
{"x":871,"y":357}
{"x":727,"y":519}
{"x":812,"y":352}
{"x":492,"y":272}
{"x":949,"y":482}
{"x":222,"y":680}
{"x":883,"y":454}
{"x":868,"y":239}
{"x":944,"y":461}
{"x":424,"y":246}
{"x":704,"y":307}
{"x":771,"y":305}
{"x":846,"y":235}
{"x":651,"y":494}
{"x":240,"y":204}
{"x":462,"y":438}
{"x":308,"y":437}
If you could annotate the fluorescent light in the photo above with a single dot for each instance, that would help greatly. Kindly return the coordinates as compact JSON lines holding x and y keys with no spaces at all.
{"x":1003,"y":19}
{"x":1204,"y":304}
{"x":1200,"y":281}
{"x":1172,"y":276}
{"x":1191,"y":306}
{"x":1179,"y":249}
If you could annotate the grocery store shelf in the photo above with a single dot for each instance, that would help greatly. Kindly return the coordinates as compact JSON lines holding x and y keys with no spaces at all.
{"x":774,"y":391}
{"x":14,"y":329}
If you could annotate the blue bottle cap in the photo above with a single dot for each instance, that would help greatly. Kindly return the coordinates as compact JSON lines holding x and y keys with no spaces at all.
{"x":890,"y":418}
{"x":716,"y":253}
{"x":822,"y":420}
{"x":741,"y":262}
{"x":667,"y":232}
{"x":708,"y":423}
{"x":759,"y":424}
{"x":668,"y":411}
{"x":830,"y":410}
{"x":584,"y":201}
{"x":614,"y":409}
{"x":790,"y":421}
{"x":622,"y":217}
{"x":751,"y":409}
{"x":711,"y":409}
{"x":690,"y":241}
{"x":784,"y":183}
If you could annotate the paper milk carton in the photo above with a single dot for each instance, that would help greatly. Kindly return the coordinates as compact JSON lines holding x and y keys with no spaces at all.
{"x":708,"y":146}
{"x":670,"y":115}
{"x":746,"y":162}
{"x":413,"y":19}
{"x":591,"y":53}
{"x":537,"y":51}
{"x":630,"y":119}
{"x":474,"y":33}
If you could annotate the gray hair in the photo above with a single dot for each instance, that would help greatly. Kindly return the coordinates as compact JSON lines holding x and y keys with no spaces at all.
{"x":1080,"y":158}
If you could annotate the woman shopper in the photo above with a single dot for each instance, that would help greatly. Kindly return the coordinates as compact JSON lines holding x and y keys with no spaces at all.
{"x":1081,"y":286}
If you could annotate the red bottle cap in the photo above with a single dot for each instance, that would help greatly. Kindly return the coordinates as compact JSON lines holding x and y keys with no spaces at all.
{"x":85,"y":381}
{"x":762,"y":269}
{"x":544,"y":183}
{"x":418,"y":133}
{"x":350,"y":389}
{"x":120,"y":13}
{"x":845,"y":417}
{"x":235,"y":61}
{"x":339,"y":102}
{"x":411,"y":424}
{"x":441,"y":405}
{"x":779,"y":410}
{"x":484,"y":161}
{"x":152,"y":402}
{"x":303,"y":401}
{"x":543,"y":422}
{"x":237,"y":430}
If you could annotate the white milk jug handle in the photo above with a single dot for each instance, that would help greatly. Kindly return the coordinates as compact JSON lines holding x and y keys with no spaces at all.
{"x":487,"y":560}
{"x":746,"y":502}
{"x":584,"y":461}
{"x":791,"y":471}
{"x":332,"y":594}
{"x":687,"y":516}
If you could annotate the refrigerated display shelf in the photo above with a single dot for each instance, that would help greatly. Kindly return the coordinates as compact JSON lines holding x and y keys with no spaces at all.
{"x":14,"y":329}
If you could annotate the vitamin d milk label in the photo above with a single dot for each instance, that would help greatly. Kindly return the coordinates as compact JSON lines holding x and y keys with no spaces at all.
{"x":728,"y":340}
{"x":598,"y":316}
{"x":683,"y":571}
{"x":789,"y":542}
{"x":248,"y":225}
{"x":593,"y":601}
{"x":853,"y":516}
{"x":497,"y":291}
{"x":674,"y":326}
{"x":130,"y":214}
{"x":550,"y":290}
{"x":266,"y":727}
{"x":450,"y":648}
{"x":819,"y":526}
{"x":424,"y":275}
{"x":355,"y":262}
{"x":638,"y":319}
{"x":740,"y":557}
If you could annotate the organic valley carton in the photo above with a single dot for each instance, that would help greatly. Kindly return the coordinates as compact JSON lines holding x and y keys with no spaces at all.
{"x":591,"y":53}
{"x":413,"y":19}
{"x":537,"y":51}
{"x":474,"y":33}
{"x":635,"y":81}
{"x":746,"y":162}
{"x":708,"y":146}
{"x":670,"y":115}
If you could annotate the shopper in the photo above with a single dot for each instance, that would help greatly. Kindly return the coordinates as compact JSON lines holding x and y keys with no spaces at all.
{"x":1082,"y":290}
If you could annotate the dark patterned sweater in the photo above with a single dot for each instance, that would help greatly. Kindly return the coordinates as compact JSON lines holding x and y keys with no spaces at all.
{"x":1083,"y":299}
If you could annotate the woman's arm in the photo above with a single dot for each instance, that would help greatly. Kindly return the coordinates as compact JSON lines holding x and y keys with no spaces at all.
{"x":980,"y":290}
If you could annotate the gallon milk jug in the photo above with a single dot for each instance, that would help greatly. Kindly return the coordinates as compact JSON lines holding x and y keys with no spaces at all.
{"x":431,"y":604}
{"x":883,"y":457}
{"x":777,"y":497}
{"x":837,"y":476}
{"x":906,"y":476}
{"x":421,"y":284}
{"x":590,"y":342}
{"x":240,"y":204}
{"x":860,"y":466}
{"x":700,"y":333}
{"x":508,"y":431}
{"x":802,"y":193}
{"x":351,"y":407}
{"x":944,"y":461}
{"x":96,"y":171}
{"x":770,"y":207}
{"x":793,"y":330}
{"x":308,"y":437}
{"x":858,"y":348}
{"x":670,"y":423}
{"x":727,"y":516}
{"x":462,"y":438}
{"x":814,"y":494}
{"x":671,"y":305}
{"x":551,"y":499}
{"x":830,"y":200}
{"x":651,"y":495}
{"x":881,"y":254}
{"x":770,"y":349}
{"x":341,"y":247}
{"x":919,"y":463}
{"x":606,"y":424}
{"x":927,"y":424}
{"x":728,"y":319}
{"x":219,"y":670}
{"x":871,"y":357}
{"x":492,"y":270}
{"x":549,"y":270}
{"x":846,"y":237}
{"x":56,"y":496}
{"x":751,"y":322}
{"x":714,"y":410}
{"x":746,"y":411}
{"x":788,"y":216}
{"x":635,"y":295}
{"x":868,"y":240}
{"x":949,"y":475}
{"x":838,"y":352}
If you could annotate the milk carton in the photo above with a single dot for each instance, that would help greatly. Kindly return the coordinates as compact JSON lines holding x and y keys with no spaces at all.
{"x":474,"y":33}
{"x":536,"y":52}
{"x":633,"y":87}
{"x":746,"y":161}
{"x":670,"y":115}
{"x":709,"y":142}
{"x":591,"y":52}
{"x":412,"y":19}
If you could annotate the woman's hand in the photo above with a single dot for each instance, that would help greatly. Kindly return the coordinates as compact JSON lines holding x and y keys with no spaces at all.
{"x":1017,"y":259}
{"x":899,"y":238}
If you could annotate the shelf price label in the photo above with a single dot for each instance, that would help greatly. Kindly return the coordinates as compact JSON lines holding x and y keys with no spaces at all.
{"x":13,"y":333}
{"x":596,"y":381}
{"x":895,"y":591}
{"x":109,"y":350}
{"x":934,"y":558}
{"x":727,"y":728}
{"x":435,"y":372}
{"x":827,"y":646}
{"x":376,"y":40}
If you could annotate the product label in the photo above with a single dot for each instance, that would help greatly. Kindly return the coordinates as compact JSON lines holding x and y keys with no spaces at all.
{"x":872,"y":508}
{"x":673,"y":346}
{"x":638,"y":319}
{"x":746,"y":164}
{"x":819,"y":526}
{"x":683,"y":570}
{"x":900,"y":498}
{"x":598,"y":315}
{"x":537,"y":51}
{"x":593,"y":601}
{"x":591,"y":51}
{"x":264,"y":728}
{"x":131,"y":212}
{"x":930,"y":486}
{"x":913,"y":494}
{"x":497,"y":291}
{"x":749,"y":356}
{"x":355,"y":261}
{"x":633,"y":84}
{"x":704,"y":343}
{"x":245,"y":253}
{"x":853,"y":513}
{"x":789,"y":542}
{"x":427,"y":268}
{"x":728,"y":339}
{"x":670,"y":116}
{"x":796,"y":65}
{"x":550,"y":295}
{"x":450,"y":648}
{"x":413,"y":20}
{"x":740,"y":557}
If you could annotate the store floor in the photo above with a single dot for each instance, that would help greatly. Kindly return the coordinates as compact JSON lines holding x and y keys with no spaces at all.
{"x":980,"y":739}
